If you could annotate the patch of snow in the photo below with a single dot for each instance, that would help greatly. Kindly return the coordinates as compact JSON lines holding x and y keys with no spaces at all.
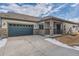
{"x":56,"y":42}
{"x":3,"y":42}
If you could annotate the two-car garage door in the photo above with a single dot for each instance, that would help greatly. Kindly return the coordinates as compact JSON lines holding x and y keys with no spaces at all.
{"x":19,"y":29}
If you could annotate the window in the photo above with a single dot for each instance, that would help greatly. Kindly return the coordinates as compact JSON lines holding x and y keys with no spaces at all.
{"x":41,"y":26}
{"x":26,"y":25}
{"x":10,"y":24}
{"x":17,"y":24}
{"x":23,"y":25}
{"x":14,"y":24}
{"x":29,"y":25}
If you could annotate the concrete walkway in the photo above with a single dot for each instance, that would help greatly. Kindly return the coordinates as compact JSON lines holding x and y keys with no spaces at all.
{"x":34,"y":45}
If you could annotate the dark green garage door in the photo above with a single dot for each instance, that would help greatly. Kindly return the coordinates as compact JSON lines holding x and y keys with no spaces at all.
{"x":19,"y":29}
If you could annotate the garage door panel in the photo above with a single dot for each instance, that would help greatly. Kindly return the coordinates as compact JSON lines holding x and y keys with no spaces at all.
{"x":20,"y":30}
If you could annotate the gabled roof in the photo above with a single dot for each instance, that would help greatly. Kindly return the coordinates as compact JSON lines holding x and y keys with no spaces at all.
{"x":19,"y":16}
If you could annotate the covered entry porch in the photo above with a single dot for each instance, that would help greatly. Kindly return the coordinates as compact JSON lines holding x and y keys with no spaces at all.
{"x":51,"y":28}
{"x":54,"y":29}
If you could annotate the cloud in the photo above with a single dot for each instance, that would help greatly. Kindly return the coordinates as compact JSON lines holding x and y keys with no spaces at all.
{"x":73,"y":5}
{"x":37,"y":10}
{"x":10,"y":7}
{"x":3,"y":11}
{"x":75,"y":20}
{"x":55,"y":10}
{"x":73,"y":12}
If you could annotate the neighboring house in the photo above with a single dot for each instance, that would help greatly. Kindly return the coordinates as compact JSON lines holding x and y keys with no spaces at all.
{"x":19,"y":24}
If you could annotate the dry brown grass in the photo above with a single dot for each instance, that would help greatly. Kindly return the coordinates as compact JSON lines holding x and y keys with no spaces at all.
{"x":68,"y":39}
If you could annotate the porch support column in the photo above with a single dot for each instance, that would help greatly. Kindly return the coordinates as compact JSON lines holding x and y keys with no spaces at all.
{"x":51,"y":27}
{"x":44,"y":28}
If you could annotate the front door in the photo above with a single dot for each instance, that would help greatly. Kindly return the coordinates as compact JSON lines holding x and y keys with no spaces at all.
{"x":57,"y":28}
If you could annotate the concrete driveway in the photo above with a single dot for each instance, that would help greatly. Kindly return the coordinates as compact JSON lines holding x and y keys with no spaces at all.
{"x":34,"y":45}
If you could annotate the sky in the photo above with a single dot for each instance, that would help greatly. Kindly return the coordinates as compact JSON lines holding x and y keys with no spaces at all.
{"x":66,"y":11}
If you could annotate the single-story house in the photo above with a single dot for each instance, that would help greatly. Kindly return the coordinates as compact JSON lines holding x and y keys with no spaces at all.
{"x":15,"y":24}
{"x":53,"y":26}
